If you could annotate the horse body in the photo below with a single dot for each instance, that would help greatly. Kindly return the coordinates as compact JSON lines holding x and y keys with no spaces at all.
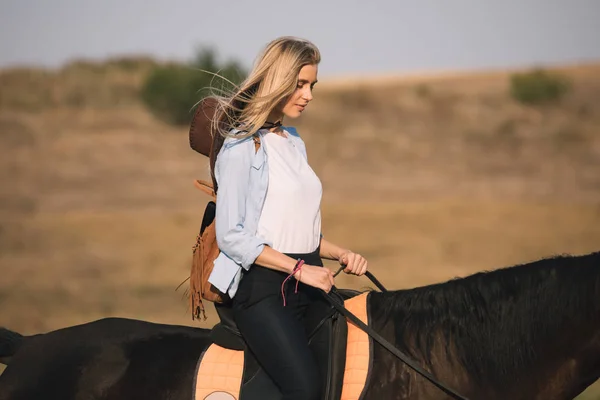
{"x":527,"y":332}
{"x":112,"y":358}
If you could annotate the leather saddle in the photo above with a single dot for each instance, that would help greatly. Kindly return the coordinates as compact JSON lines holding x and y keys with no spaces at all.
{"x":328,"y":331}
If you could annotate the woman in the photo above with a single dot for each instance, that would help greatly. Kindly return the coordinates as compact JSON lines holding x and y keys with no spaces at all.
{"x":268,"y":219}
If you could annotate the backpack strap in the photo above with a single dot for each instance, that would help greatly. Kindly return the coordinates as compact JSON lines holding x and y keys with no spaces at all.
{"x":206,"y":187}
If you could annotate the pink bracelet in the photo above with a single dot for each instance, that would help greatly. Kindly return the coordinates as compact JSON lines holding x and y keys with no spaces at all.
{"x":297,"y":268}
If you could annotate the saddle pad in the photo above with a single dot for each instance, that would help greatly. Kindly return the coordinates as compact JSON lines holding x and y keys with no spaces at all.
{"x":358,"y":350}
{"x":220,"y":370}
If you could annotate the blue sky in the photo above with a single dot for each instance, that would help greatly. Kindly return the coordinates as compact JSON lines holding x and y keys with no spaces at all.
{"x":355,"y":37}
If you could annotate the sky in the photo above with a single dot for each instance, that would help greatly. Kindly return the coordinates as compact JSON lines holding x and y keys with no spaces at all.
{"x":355,"y":37}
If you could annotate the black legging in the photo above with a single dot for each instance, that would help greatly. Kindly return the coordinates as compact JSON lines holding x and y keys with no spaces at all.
{"x":276,"y":334}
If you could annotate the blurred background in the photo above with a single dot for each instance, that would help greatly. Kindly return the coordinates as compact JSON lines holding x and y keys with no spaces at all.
{"x":451,"y":138}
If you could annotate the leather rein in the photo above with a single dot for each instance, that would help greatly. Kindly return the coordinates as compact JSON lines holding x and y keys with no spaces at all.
{"x":339,"y":306}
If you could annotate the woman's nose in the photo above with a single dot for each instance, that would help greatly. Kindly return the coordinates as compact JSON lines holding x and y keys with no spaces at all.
{"x":307,"y":95}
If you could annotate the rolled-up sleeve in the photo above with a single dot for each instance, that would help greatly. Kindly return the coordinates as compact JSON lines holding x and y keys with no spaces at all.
{"x":232,"y":171}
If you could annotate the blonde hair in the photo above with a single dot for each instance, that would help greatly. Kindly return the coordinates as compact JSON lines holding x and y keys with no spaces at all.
{"x":272,"y":80}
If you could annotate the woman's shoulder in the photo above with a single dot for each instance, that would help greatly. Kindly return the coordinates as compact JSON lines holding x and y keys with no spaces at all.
{"x":295,"y":136}
{"x":238,"y":150}
{"x":292,"y":131}
{"x":236,"y":140}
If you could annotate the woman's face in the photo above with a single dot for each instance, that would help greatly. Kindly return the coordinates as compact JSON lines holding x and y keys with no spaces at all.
{"x":298,"y":101}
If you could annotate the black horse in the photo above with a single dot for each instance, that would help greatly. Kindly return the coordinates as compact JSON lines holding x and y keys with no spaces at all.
{"x":531,"y":331}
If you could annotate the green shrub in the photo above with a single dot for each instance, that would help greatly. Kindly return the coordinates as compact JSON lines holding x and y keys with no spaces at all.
{"x":170,"y":92}
{"x":538,"y":87}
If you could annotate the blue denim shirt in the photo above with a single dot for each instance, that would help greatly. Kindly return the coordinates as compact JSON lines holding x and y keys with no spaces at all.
{"x":242,"y":176}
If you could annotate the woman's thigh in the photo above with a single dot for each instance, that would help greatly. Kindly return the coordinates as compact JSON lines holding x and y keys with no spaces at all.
{"x":278,"y":339}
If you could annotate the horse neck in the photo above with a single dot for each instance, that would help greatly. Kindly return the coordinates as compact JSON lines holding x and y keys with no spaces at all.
{"x":566,"y":347}
{"x":572,"y":364}
{"x":499,"y":327}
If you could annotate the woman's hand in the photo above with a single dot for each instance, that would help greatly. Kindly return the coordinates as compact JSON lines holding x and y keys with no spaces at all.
{"x":319,"y":277}
{"x":355,"y":263}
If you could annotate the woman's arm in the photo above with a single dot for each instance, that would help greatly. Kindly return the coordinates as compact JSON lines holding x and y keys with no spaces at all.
{"x":355,"y":263}
{"x":231,"y":170}
{"x":331,"y":251}
{"x":273,"y":259}
{"x":319,"y":277}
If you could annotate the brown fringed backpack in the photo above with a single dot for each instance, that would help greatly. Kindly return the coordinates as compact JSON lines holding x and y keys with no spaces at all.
{"x":206,"y":250}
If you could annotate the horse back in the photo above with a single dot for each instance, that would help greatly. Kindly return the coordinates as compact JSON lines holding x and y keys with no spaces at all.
{"x":112,"y":358}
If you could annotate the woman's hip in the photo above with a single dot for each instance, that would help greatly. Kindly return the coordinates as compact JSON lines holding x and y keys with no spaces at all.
{"x":259,"y":282}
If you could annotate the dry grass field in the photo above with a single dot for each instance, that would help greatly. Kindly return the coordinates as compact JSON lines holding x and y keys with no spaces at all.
{"x":430,"y":177}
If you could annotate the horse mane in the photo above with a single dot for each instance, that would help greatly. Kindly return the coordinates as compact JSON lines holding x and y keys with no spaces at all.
{"x":495,"y":323}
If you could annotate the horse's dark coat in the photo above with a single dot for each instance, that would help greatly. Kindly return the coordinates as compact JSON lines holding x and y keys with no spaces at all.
{"x":111,"y":358}
{"x":500,"y":325}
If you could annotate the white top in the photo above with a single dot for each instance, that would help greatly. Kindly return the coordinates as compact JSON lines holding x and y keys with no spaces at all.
{"x":291,"y":215}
